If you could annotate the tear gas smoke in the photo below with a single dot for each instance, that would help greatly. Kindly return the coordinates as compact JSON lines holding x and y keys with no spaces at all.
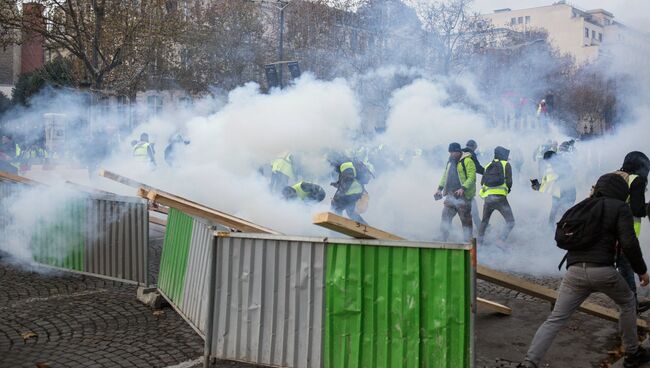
{"x":232,"y":137}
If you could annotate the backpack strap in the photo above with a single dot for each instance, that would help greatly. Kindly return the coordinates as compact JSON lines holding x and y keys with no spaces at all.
{"x":559,"y":267}
{"x":462,"y":162}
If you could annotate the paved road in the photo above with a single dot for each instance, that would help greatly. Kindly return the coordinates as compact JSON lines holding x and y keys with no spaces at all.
{"x":66,"y":320}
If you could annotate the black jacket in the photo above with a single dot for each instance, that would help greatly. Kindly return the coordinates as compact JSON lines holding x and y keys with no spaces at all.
{"x":637,"y":163}
{"x":617,"y":227}
{"x":479,"y":169}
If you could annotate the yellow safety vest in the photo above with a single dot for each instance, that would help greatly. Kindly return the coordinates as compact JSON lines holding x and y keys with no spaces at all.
{"x":499,"y":190}
{"x":630,"y":179}
{"x":15,"y":162}
{"x":548,"y":183}
{"x":299,"y":192}
{"x":141,"y":151}
{"x":283,"y":165}
{"x":356,"y":187}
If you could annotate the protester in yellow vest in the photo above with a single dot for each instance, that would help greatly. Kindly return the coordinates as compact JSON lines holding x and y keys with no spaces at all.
{"x":496,"y":184}
{"x":349,"y":191}
{"x":458,"y":186}
{"x":304,"y":191}
{"x":558,"y":182}
{"x":635,"y":172}
{"x":143,"y":151}
{"x":282,"y":172}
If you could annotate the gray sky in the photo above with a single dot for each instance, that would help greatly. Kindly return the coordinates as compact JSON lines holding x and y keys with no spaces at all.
{"x":634,"y":13}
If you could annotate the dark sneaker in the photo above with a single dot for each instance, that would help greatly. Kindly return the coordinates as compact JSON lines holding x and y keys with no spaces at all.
{"x":527,"y":364}
{"x":634,"y":360}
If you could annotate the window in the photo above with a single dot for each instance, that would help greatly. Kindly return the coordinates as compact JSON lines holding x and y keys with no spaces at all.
{"x":513,"y":21}
{"x":528,"y":19}
{"x":586,"y":32}
{"x":154,"y":103}
{"x":185,"y":102}
{"x":593,"y":35}
{"x":600,"y":37}
{"x":520,"y":20}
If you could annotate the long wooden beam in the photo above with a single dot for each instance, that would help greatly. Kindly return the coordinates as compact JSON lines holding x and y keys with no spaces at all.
{"x":526,"y":287}
{"x":354,"y":229}
{"x":18,"y":179}
{"x":199,"y":210}
{"x":351,"y":228}
{"x":122,"y":179}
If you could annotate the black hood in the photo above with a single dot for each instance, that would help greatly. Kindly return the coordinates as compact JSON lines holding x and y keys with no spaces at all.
{"x":501,"y":153}
{"x":612,"y":186}
{"x":636,"y":163}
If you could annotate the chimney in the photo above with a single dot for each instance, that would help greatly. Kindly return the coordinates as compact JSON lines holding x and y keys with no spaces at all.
{"x":32,"y":47}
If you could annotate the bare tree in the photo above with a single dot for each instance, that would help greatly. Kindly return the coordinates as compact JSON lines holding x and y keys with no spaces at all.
{"x":101,"y":35}
{"x":224,"y":45}
{"x":453,"y":31}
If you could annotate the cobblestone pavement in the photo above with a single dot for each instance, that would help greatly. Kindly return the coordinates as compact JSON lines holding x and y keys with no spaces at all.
{"x":59,"y":319}
{"x":65,"y":320}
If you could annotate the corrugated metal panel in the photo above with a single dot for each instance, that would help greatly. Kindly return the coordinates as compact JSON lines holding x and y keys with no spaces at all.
{"x":117,"y":239}
{"x":197,"y":275}
{"x":105,"y":235}
{"x":397,"y":307}
{"x":268,"y":304}
{"x":173,"y":260}
{"x":60,"y":242}
{"x":7,"y":190}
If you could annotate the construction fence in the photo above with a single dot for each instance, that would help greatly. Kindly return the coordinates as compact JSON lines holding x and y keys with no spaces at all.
{"x":316,"y":302}
{"x":100,"y":234}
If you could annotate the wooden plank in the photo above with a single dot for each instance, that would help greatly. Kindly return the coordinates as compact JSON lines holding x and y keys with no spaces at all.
{"x":158,"y":221}
{"x":544,"y":293}
{"x":351,"y":228}
{"x":18,"y":179}
{"x":354,"y":229}
{"x":122,"y":179}
{"x":493,"y":306}
{"x":192,"y":208}
{"x":88,"y":189}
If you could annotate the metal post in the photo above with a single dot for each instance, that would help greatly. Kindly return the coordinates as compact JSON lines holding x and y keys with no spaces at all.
{"x":474,"y":306}
{"x":280,"y":50}
{"x":207,"y":349}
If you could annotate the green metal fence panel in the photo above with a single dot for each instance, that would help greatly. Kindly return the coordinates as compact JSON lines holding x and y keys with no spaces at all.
{"x":396,"y":307}
{"x":61,"y":243}
{"x":173,"y":260}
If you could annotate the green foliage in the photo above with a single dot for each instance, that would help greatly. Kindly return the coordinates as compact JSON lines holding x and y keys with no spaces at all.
{"x":56,"y":74}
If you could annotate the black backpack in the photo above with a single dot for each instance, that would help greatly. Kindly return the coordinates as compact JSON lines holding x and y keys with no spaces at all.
{"x":363,"y":173}
{"x":494,"y":175}
{"x":581,"y":225}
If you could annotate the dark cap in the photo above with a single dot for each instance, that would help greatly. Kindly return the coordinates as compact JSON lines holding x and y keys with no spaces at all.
{"x":455,"y":147}
{"x":471,"y":144}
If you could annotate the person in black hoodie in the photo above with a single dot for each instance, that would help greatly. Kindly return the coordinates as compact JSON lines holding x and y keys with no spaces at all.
{"x":635,"y":172}
{"x":592,"y":270}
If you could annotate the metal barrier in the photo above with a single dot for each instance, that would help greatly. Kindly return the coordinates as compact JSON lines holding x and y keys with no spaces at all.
{"x":96,"y":234}
{"x":318,"y":302}
{"x":184,"y":266}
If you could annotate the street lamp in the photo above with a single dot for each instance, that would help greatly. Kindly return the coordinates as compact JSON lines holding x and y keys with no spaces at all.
{"x":281,"y":5}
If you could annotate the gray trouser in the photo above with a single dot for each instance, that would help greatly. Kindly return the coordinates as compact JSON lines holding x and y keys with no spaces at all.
{"x":578,"y":283}
{"x":476,"y":219}
{"x":453,"y":206}
{"x":497,"y":203}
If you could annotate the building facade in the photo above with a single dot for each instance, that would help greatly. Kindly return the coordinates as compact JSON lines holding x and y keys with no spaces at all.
{"x":579,"y":33}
